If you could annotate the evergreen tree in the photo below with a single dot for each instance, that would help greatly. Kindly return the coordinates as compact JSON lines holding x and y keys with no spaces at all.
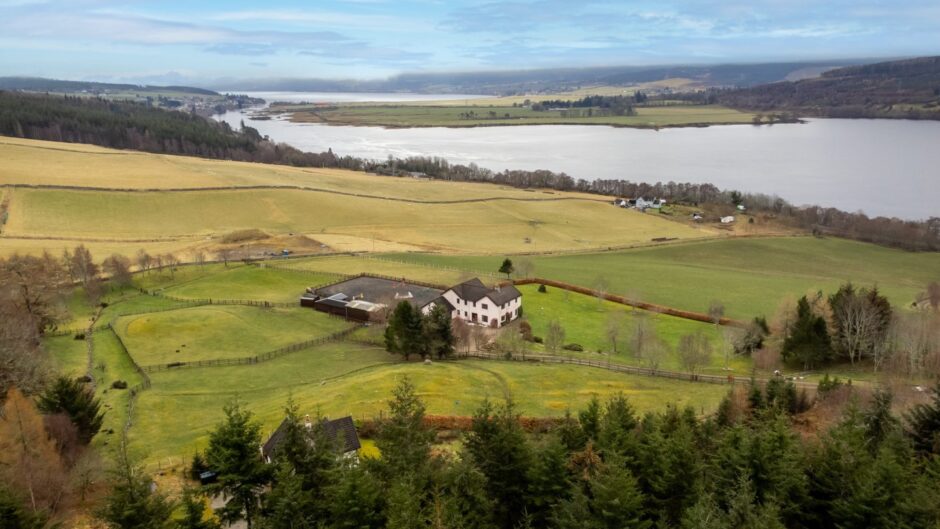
{"x":310,"y":455}
{"x":288,"y":505}
{"x":616,"y":427}
{"x":404,"y":334}
{"x":590,"y":418}
{"x":498,"y":446}
{"x":233,"y":452}
{"x":878,"y":419}
{"x":70,"y":396}
{"x":571,"y":434}
{"x":549,"y":481}
{"x":194,"y":511}
{"x":507,"y":267}
{"x":617,"y":502}
{"x":807,"y":342}
{"x":14,"y":515}
{"x":132,"y":504}
{"x":356,"y":499}
{"x":923,"y":424}
{"x":669,"y":468}
{"x":466,"y":502}
{"x":404,"y":440}
{"x":438,"y":333}
{"x":404,"y":509}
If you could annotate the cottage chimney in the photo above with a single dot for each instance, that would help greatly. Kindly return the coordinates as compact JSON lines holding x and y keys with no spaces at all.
{"x":307,"y":422}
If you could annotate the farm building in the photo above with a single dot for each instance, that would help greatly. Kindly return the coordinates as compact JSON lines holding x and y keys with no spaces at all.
{"x":341,"y":432}
{"x":727,"y":220}
{"x":366,"y":298}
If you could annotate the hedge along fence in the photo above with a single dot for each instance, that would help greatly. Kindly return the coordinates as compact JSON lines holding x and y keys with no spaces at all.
{"x":652,"y":307}
{"x":263,"y":357}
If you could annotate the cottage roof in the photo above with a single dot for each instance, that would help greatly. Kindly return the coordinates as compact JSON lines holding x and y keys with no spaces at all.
{"x":341,"y":432}
{"x":475,"y":290}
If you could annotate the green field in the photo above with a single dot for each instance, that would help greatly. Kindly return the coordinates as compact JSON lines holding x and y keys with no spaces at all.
{"x":249,"y":283}
{"x":585,"y":321}
{"x":342,"y":379}
{"x":215,"y":332}
{"x":491,"y":116}
{"x":750,"y":276}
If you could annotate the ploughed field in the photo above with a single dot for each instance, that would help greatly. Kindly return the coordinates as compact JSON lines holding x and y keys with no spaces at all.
{"x":122,"y":201}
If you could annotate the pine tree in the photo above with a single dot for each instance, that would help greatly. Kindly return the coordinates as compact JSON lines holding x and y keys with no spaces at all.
{"x":404,"y":510}
{"x":194,"y":512}
{"x":466,"y":502}
{"x":616,"y":428}
{"x":404,"y":334}
{"x":807,"y":342}
{"x":131,"y":503}
{"x":233,"y":452}
{"x":356,"y":499}
{"x":499,"y":448}
{"x":617,"y":502}
{"x":507,"y":267}
{"x":438,"y":333}
{"x":923,"y":424}
{"x":69,"y":396}
{"x":590,"y":418}
{"x":549,"y":481}
{"x":288,"y":505}
{"x":404,"y":440}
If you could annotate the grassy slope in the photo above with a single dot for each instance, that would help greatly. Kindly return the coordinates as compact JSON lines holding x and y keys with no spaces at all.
{"x":342,"y":379}
{"x":449,"y":116}
{"x":751,"y":276}
{"x":585,"y":320}
{"x":498,"y":226}
{"x":250,"y":283}
{"x":213,"y":332}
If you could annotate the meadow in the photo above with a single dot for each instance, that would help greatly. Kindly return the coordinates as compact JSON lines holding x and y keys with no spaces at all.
{"x":219,"y":332}
{"x":467,"y":227}
{"x":495,"y":115}
{"x":751,"y":277}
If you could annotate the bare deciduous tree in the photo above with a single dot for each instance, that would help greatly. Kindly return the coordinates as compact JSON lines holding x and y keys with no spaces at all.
{"x":716,"y":311}
{"x":119,"y":268}
{"x":554,"y":336}
{"x":462,"y":332}
{"x":612,"y":329}
{"x":526,"y":268}
{"x":642,"y":335}
{"x":694,"y":352}
{"x":144,"y":261}
{"x":200,"y":258}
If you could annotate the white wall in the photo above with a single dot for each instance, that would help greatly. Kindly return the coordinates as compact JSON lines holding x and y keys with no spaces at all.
{"x":486,"y":311}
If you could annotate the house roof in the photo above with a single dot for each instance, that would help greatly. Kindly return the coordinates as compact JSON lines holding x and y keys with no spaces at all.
{"x":475,"y":290}
{"x":340,"y":431}
{"x":442,"y":301}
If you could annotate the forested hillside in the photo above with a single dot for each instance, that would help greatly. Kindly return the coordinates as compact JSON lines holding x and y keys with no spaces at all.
{"x":127,"y":125}
{"x":39,"y":84}
{"x":908,"y":89}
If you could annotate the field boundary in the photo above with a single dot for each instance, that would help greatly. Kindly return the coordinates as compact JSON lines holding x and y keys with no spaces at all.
{"x":256,"y":359}
{"x":308,"y":189}
{"x":660,"y":309}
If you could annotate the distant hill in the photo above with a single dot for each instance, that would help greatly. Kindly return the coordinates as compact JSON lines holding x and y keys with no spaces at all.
{"x":894,"y":89}
{"x":548,"y":80}
{"x":39,"y":84}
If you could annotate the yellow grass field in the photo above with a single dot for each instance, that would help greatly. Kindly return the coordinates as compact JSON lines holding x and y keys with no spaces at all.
{"x":385,"y":214}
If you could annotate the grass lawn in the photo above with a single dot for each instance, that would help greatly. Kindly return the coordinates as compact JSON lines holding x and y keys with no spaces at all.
{"x":750,"y":276}
{"x":111,"y":364}
{"x":502,"y":115}
{"x":585,"y":320}
{"x":340,"y":379}
{"x":249,"y":283}
{"x":213,"y":332}
{"x":69,"y":356}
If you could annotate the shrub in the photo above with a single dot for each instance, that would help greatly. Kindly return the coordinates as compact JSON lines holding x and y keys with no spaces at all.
{"x":119,"y":384}
{"x":80,"y":336}
{"x":525,"y":329}
{"x":538,"y":339}
{"x":573,"y":347}
{"x":827,"y":385}
{"x":542,"y":289}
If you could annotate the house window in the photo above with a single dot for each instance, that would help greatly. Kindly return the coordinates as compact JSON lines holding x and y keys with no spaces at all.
{"x":484,"y":306}
{"x":486,"y":318}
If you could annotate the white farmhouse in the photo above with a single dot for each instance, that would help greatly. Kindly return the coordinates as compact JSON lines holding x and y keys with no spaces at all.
{"x":474,"y":302}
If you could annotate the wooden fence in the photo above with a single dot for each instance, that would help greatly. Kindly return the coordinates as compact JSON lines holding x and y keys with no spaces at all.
{"x":263,"y":357}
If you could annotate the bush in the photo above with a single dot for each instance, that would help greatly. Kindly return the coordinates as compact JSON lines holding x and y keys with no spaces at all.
{"x":827,"y":385}
{"x":80,"y":336}
{"x":525,"y":329}
{"x":573,"y":347}
{"x":542,"y":289}
{"x":119,"y":384}
{"x":538,"y":339}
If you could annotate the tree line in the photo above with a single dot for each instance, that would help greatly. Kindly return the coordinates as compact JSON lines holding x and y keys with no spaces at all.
{"x":127,"y":125}
{"x":604,"y":467}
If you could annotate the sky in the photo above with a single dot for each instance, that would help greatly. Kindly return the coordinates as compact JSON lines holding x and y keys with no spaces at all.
{"x":172,"y":41}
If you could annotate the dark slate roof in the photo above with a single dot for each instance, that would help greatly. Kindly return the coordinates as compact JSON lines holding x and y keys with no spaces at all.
{"x":340,"y":431}
{"x":475,"y":290}
{"x":442,"y":301}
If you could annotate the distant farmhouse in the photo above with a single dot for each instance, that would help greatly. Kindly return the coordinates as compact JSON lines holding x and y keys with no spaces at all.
{"x":640,"y":203}
{"x":341,"y":433}
{"x":368,"y":298}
